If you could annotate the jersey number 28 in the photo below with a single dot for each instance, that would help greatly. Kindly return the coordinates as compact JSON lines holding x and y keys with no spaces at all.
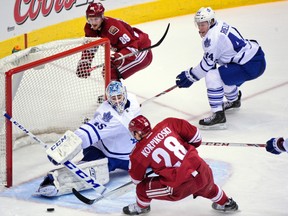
{"x":172,"y":147}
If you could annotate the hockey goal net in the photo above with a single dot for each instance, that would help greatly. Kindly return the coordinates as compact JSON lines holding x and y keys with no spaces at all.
{"x":41,"y":90}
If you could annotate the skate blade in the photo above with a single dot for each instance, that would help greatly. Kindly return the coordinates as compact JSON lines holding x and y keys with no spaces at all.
{"x":235,"y":109}
{"x":221,"y":126}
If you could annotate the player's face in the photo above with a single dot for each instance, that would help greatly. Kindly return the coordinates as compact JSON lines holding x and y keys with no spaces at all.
{"x":137,"y":136}
{"x":117,"y":99}
{"x":203,"y":28}
{"x":95,"y":22}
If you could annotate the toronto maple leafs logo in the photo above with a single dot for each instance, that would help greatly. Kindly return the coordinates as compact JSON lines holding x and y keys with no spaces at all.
{"x":207,"y":42}
{"x":107,"y":116}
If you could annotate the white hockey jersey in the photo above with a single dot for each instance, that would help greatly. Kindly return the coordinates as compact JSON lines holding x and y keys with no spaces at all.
{"x":224,"y":44}
{"x":108,"y":131}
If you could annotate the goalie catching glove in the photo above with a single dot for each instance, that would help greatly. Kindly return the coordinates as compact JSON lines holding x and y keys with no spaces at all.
{"x":186,"y":78}
{"x":66,"y":148}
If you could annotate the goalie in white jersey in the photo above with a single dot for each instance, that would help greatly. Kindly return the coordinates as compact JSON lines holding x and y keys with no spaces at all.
{"x":106,"y":143}
{"x":238,"y":60}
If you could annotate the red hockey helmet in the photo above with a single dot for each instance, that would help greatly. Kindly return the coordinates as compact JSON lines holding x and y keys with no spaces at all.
{"x":140,"y":124}
{"x":95,"y":10}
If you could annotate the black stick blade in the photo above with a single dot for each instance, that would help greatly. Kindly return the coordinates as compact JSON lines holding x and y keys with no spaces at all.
{"x":82,"y":198}
{"x":159,"y":42}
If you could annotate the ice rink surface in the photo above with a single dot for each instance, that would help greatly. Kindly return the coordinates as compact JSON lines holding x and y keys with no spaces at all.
{"x":255,"y":179}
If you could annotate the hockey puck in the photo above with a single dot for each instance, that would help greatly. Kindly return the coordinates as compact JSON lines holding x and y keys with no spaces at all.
{"x":50,"y":209}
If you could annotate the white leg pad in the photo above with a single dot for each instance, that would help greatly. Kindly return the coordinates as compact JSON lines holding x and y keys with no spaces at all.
{"x":64,"y":180}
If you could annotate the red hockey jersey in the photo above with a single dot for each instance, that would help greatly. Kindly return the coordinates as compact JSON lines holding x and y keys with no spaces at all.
{"x":170,"y":150}
{"x":120,"y":34}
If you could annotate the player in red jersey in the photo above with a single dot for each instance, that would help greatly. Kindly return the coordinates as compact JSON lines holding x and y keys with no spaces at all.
{"x":124,"y":39}
{"x":169,"y":149}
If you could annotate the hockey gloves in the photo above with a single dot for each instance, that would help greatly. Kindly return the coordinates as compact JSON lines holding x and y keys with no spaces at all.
{"x":116,"y":63}
{"x":277,"y":145}
{"x":186,"y":78}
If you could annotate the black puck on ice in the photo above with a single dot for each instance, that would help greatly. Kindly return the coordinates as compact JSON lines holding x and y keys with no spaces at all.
{"x":50,"y":209}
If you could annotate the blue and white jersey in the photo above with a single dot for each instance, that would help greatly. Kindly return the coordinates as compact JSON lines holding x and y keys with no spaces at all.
{"x":108,"y":130}
{"x":223,"y":44}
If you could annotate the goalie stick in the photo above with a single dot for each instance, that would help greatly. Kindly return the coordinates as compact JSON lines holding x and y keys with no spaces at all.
{"x":79,"y":173}
{"x":138,"y":51}
{"x":119,"y":190}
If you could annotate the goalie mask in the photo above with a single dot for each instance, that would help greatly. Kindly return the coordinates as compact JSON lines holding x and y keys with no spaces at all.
{"x":117,"y":96}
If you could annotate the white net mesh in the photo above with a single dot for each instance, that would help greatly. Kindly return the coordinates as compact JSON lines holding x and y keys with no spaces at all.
{"x":51,"y":98}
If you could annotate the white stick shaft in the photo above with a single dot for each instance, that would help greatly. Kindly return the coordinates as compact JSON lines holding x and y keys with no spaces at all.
{"x":24,"y":129}
{"x":72,"y":167}
{"x":158,"y":95}
{"x":233,"y":144}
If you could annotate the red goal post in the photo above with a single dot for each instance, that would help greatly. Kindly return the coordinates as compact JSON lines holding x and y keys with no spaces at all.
{"x":41,"y":89}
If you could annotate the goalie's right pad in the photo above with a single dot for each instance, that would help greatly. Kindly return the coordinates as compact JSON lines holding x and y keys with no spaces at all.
{"x":66,"y":148}
{"x":61,"y":181}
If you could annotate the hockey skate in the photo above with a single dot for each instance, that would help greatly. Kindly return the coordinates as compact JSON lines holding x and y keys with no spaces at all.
{"x":232,"y":105}
{"x":134,"y":209}
{"x":230,"y":206}
{"x":216,"y":121}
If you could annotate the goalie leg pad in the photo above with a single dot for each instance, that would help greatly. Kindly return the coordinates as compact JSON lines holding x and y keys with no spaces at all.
{"x":61,"y":181}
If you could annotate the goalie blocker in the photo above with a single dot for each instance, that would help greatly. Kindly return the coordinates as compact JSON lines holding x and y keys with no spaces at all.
{"x":61,"y":181}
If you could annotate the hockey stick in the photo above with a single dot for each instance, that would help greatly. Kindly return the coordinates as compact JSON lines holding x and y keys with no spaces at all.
{"x":233,"y":144}
{"x":158,"y":95}
{"x":79,"y":173}
{"x":119,"y":190}
{"x":125,"y":187}
{"x":138,"y":51}
{"x":147,"y":48}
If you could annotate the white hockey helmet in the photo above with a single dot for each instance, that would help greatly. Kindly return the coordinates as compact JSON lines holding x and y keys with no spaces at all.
{"x":204,"y":14}
{"x":117,"y":96}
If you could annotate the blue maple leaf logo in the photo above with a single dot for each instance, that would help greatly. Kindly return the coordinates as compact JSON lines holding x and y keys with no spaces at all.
{"x":207,"y":42}
{"x":107,"y":116}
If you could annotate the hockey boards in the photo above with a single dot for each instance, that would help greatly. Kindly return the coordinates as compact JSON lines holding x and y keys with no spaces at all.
{"x":110,"y":194}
